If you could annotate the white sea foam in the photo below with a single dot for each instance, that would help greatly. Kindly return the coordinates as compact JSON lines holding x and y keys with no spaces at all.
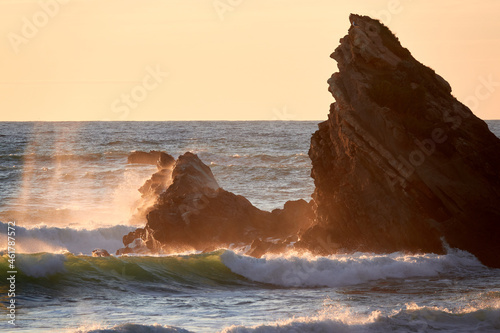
{"x":410,"y":318}
{"x":346,"y":269}
{"x":52,"y":239}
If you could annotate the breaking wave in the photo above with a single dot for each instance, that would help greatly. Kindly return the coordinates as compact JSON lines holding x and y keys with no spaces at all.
{"x":225,"y":267}
{"x":57,"y":240}
{"x":345,"y":269}
{"x":411,"y":318}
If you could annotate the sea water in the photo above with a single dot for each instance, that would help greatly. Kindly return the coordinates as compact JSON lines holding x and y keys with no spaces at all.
{"x":69,"y":190}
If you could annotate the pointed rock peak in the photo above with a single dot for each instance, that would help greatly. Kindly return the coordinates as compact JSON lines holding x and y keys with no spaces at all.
{"x":372,"y":42}
{"x":190,"y":169}
{"x":401,"y":164}
{"x":377,"y":74}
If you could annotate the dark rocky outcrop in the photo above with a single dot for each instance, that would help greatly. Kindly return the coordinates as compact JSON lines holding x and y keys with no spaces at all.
{"x":193,"y":212}
{"x":401,"y":164}
{"x":159,"y":158}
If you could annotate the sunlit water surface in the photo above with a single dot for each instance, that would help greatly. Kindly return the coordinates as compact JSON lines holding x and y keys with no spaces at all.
{"x":68,"y":188}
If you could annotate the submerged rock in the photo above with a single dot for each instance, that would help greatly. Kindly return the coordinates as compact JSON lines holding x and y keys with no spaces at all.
{"x":193,"y":212}
{"x":100,"y":253}
{"x":159,"y":158}
{"x":401,"y":164}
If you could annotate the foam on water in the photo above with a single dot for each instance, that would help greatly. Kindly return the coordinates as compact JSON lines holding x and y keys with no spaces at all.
{"x":348,"y":269}
{"x":74,"y":175}
{"x":227,"y":268}
{"x":57,"y":240}
{"x":411,"y":318}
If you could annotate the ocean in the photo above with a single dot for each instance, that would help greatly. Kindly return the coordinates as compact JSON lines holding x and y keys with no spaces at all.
{"x":68,"y":188}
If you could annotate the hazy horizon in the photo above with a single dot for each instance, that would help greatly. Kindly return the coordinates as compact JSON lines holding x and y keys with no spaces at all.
{"x":76,"y":60}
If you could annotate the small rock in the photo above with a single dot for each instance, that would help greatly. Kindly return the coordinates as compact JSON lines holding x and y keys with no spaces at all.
{"x":100,"y":253}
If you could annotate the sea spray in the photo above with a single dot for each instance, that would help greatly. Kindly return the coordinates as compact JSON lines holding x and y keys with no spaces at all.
{"x":43,"y":238}
{"x":198,"y":292}
{"x":176,"y":283}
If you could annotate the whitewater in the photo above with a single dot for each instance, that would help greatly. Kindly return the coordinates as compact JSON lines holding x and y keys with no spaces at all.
{"x":69,"y":190}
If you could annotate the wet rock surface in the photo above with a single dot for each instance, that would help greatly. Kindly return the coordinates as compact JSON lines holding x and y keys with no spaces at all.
{"x":194,"y":213}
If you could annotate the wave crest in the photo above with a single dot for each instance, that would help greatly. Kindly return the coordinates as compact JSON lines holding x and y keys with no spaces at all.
{"x":411,"y":318}
{"x":345,"y":269}
{"x":58,"y":240}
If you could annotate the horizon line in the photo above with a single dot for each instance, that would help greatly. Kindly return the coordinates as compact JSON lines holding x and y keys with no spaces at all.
{"x":226,"y":120}
{"x":198,"y":120}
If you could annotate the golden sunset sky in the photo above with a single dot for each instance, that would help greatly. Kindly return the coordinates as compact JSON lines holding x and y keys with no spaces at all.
{"x":225,"y":59}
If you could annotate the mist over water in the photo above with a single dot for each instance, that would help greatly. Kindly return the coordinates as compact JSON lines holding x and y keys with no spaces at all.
{"x":69,"y":190}
{"x":75,"y":174}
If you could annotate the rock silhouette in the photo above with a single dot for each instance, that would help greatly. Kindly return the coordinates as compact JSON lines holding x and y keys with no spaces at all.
{"x":401,"y":164}
{"x":194,"y":213}
{"x":159,"y":158}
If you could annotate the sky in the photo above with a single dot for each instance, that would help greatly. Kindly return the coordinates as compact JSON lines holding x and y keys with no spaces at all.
{"x":222,"y":59}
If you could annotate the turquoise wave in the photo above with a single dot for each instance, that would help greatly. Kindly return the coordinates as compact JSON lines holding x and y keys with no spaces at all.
{"x":174,"y":272}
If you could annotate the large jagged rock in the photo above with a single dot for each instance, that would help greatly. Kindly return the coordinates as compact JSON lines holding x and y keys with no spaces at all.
{"x":195,"y":213}
{"x":401,"y":164}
